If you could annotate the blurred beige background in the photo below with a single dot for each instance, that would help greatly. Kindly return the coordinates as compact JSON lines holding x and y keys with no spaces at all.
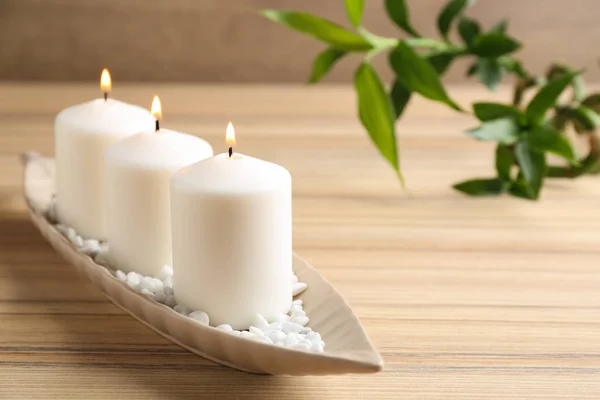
{"x":224,"y":41}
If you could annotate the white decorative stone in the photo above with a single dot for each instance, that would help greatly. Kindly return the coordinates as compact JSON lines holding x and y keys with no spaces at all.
{"x":260,"y":322}
{"x":256,"y":331}
{"x":276,"y":326}
{"x":200,"y":316}
{"x":122,"y":276}
{"x":290,"y":341}
{"x":291,"y":327}
{"x":146,"y":283}
{"x":160,"y":297}
{"x":165,"y":272}
{"x":225,"y":328}
{"x":302,"y":321}
{"x":286,"y":330}
{"x":298,"y":288}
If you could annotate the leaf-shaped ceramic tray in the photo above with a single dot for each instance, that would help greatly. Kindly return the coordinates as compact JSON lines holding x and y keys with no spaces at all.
{"x":348,"y":348}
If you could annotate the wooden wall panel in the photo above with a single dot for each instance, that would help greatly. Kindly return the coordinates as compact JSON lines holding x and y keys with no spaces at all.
{"x":221,"y":41}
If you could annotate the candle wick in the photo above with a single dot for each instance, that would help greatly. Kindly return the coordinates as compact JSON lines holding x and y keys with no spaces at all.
{"x":230,"y":151}
{"x":105,"y":96}
{"x":157,"y":126}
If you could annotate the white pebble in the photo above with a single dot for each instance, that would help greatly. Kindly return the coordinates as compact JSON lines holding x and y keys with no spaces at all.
{"x":225,"y":328}
{"x":291,"y":340}
{"x":300,"y":320}
{"x":298,"y":302}
{"x":200,"y":316}
{"x":159,"y":297}
{"x":246,"y":334}
{"x":62,"y":229}
{"x":170,"y":301}
{"x":305,"y":342}
{"x":71,"y":234}
{"x":305,"y":330}
{"x":182,"y":309}
{"x":280,"y":344}
{"x":91,"y":243}
{"x":168,"y":282}
{"x":294,"y":279}
{"x":87,"y":250}
{"x":291,"y":327}
{"x":301,"y":346}
{"x":316,"y":347}
{"x":76,"y":240}
{"x":314,"y":336}
{"x":158,"y":285}
{"x":256,"y":331}
{"x":298,"y":288}
{"x":122,"y":276}
{"x":165,"y":272}
{"x":260,"y":322}
{"x":275,"y":336}
{"x":146,"y":292}
{"x":298,"y":313}
{"x":168,"y":291}
{"x":133,"y":279}
{"x":276,"y":325}
{"x":146,"y":283}
{"x":281,"y":317}
{"x":262,"y":339}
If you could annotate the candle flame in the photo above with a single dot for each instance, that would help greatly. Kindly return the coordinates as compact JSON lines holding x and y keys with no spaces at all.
{"x":230,"y":135}
{"x":105,"y":81}
{"x":156,"y":108}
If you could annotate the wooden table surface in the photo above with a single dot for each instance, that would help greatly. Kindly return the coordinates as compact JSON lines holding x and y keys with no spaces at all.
{"x":492,"y":298}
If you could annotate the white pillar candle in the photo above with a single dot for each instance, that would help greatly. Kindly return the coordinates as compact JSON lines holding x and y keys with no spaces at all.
{"x":81,"y":133}
{"x":232,"y":238}
{"x":138,"y":170}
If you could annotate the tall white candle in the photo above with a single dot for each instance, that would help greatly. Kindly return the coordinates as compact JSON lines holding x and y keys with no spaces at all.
{"x":81,"y":134}
{"x":232,"y":238}
{"x":138,"y":170}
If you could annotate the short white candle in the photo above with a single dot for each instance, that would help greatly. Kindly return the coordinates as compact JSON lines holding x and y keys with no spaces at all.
{"x":81,"y":134}
{"x":138,"y":170}
{"x":232,"y":238}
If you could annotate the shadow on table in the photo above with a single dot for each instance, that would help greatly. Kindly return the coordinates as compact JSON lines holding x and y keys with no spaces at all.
{"x":110,"y":351}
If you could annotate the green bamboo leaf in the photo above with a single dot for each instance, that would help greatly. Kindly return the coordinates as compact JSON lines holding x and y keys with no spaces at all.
{"x":398,"y":12}
{"x":502,"y":130}
{"x":546,"y":139}
{"x":493,"y":45}
{"x":584,"y":119}
{"x":546,"y":97}
{"x":329,"y":32}
{"x":592,"y":101}
{"x":400,"y":97}
{"x":513,"y":66}
{"x":485,"y":111}
{"x":468,"y":30}
{"x":500,"y":27}
{"x":505,"y":159}
{"x":417,"y":75}
{"x":472,"y":70}
{"x":453,"y":9}
{"x":440,"y":61}
{"x":482,"y":187}
{"x":324,"y":62}
{"x":377,"y":114}
{"x":532,"y":166}
{"x":354,"y":9}
{"x":489,"y":72}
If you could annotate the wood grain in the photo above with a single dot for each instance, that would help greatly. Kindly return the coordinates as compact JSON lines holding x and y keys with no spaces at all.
{"x":466,"y":298}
